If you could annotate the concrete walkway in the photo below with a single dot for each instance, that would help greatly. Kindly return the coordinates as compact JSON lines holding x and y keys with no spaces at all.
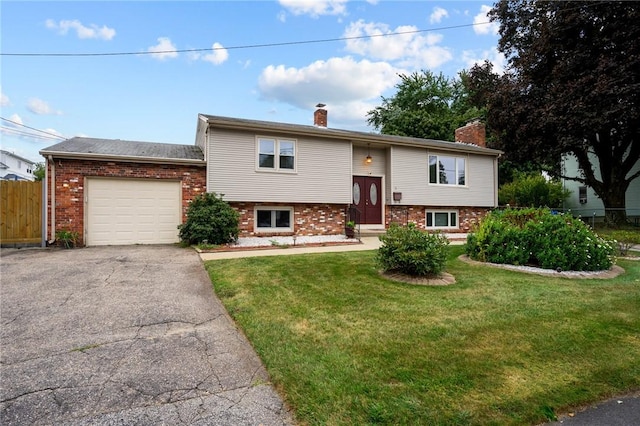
{"x":367,"y":243}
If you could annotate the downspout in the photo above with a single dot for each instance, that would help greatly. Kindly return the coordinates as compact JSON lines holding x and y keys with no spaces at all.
{"x":43,"y":234}
{"x":53,"y":200}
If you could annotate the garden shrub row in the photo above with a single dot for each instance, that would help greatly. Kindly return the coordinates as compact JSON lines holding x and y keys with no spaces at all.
{"x":539,"y":237}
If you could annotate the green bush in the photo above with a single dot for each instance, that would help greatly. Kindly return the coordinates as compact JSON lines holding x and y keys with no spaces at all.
{"x":210,"y":220}
{"x":408,"y":250}
{"x":539,"y":237}
{"x":532,"y":190}
{"x":623,"y":240}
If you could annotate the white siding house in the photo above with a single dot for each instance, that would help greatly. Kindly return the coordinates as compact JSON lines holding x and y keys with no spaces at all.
{"x":14,"y":167}
{"x":583,"y":200}
{"x":288,"y":179}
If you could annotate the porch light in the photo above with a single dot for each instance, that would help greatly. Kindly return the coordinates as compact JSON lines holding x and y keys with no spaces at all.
{"x":369,"y":159}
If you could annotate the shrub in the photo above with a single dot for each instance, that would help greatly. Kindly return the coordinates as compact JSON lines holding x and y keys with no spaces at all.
{"x":623,"y":240}
{"x":539,"y":237}
{"x":408,"y":250}
{"x":532,"y":190}
{"x":210,"y":220}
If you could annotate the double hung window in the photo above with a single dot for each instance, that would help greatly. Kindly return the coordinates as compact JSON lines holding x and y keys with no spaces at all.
{"x":276,"y":154}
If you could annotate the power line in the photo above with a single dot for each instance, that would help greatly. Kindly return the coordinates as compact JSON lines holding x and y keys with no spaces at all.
{"x":248,"y":46}
{"x":19,"y":132}
{"x":33,"y":128}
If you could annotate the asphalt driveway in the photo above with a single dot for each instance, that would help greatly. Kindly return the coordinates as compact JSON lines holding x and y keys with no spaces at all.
{"x":123,"y":335}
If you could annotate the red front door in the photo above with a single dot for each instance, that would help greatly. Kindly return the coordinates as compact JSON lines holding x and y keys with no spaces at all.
{"x":367,"y":193}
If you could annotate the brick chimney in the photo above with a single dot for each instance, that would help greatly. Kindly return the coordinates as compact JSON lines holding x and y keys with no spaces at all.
{"x":320,"y":116}
{"x":472,"y":132}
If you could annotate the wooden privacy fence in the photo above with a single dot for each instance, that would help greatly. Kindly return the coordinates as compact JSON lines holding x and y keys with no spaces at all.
{"x":20,"y":212}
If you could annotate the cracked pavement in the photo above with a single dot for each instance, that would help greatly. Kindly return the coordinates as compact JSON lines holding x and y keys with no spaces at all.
{"x":123,"y":335}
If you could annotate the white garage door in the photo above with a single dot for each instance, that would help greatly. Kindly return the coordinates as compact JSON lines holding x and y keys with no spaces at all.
{"x":131,"y":211}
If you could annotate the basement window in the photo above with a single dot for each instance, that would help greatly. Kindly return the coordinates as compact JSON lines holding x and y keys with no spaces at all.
{"x":273,"y":219}
{"x":441,"y":219}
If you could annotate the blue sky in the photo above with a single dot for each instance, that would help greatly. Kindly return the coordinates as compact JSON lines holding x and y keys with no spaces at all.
{"x":156,"y":97}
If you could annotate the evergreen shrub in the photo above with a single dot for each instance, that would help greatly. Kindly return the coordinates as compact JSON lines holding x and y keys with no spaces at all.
{"x":210,"y":220}
{"x":409,"y":250}
{"x":539,"y":237}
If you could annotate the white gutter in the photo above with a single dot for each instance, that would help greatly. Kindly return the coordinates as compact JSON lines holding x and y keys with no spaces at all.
{"x":123,"y":158}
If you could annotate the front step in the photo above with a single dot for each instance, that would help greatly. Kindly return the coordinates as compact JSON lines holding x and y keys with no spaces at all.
{"x":372,"y":232}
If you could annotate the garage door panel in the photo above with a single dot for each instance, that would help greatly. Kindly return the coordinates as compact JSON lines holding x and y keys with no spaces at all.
{"x":121,"y":211}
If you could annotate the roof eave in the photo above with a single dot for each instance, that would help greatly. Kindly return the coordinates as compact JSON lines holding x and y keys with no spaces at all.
{"x":123,"y":158}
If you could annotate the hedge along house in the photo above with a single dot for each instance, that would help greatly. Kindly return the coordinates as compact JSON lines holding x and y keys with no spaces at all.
{"x":287,"y":179}
{"x":114,"y":192}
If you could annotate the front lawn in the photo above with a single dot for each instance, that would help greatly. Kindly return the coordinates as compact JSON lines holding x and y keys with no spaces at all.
{"x":345,"y":346}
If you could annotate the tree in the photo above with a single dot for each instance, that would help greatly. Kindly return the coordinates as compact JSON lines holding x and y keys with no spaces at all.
{"x":571,"y":88}
{"x":39,"y":172}
{"x":425,"y":106}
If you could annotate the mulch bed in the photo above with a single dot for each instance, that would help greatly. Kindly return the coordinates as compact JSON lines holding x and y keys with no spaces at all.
{"x":437,"y":280}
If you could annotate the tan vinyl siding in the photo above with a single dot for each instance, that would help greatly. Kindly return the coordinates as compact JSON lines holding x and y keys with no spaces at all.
{"x":410,"y":168}
{"x":376,"y":168}
{"x":323,"y":170}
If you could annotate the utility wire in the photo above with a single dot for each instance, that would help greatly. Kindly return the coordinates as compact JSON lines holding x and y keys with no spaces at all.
{"x":51,"y":135}
{"x":248,"y":46}
{"x":14,"y":131}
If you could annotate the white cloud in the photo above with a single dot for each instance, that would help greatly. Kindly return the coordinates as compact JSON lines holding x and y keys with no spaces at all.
{"x":165,"y":49}
{"x":437,"y":15}
{"x":16,"y":119}
{"x":4,"y":99}
{"x":218,"y":55}
{"x":315,"y":8}
{"x":409,"y":47}
{"x":40,"y":107}
{"x":471,"y":58}
{"x":92,"y":31}
{"x":350,"y":87}
{"x":282,"y":16}
{"x":480,"y":25}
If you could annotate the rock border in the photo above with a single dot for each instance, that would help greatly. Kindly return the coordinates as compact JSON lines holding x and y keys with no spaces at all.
{"x":603,"y":275}
{"x":440,"y":280}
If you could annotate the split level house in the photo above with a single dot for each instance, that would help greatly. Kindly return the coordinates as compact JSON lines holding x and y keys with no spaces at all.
{"x":283,"y":179}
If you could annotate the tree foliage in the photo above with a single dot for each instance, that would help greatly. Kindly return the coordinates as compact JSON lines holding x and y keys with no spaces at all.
{"x":425,"y":106}
{"x":39,"y":172}
{"x":532,"y":190}
{"x":572,"y":87}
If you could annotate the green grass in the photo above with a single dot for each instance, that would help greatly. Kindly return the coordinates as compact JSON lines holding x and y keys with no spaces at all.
{"x":345,"y":346}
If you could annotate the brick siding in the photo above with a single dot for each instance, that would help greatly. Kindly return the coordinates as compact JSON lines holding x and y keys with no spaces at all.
{"x":308,"y":219}
{"x":468,"y":217}
{"x":70,"y":180}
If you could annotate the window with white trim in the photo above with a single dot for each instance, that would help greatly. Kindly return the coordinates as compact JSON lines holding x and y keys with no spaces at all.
{"x":446,"y":170}
{"x":273,"y":219}
{"x":276,"y":154}
{"x":442,"y":219}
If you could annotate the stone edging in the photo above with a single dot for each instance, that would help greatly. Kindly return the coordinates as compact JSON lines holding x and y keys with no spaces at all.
{"x":611,"y":273}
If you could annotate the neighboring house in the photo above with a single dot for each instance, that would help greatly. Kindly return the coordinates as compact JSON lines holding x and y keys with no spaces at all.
{"x":283,"y":179}
{"x":14,"y":167}
{"x":583,"y":200}
{"x":115,"y":192}
{"x":287,"y":179}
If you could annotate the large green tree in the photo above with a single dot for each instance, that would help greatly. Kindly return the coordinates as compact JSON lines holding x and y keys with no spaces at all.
{"x":425,"y":106}
{"x":572,"y":87}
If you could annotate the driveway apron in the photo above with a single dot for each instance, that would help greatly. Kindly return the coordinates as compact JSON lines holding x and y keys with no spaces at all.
{"x":123,"y":335}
